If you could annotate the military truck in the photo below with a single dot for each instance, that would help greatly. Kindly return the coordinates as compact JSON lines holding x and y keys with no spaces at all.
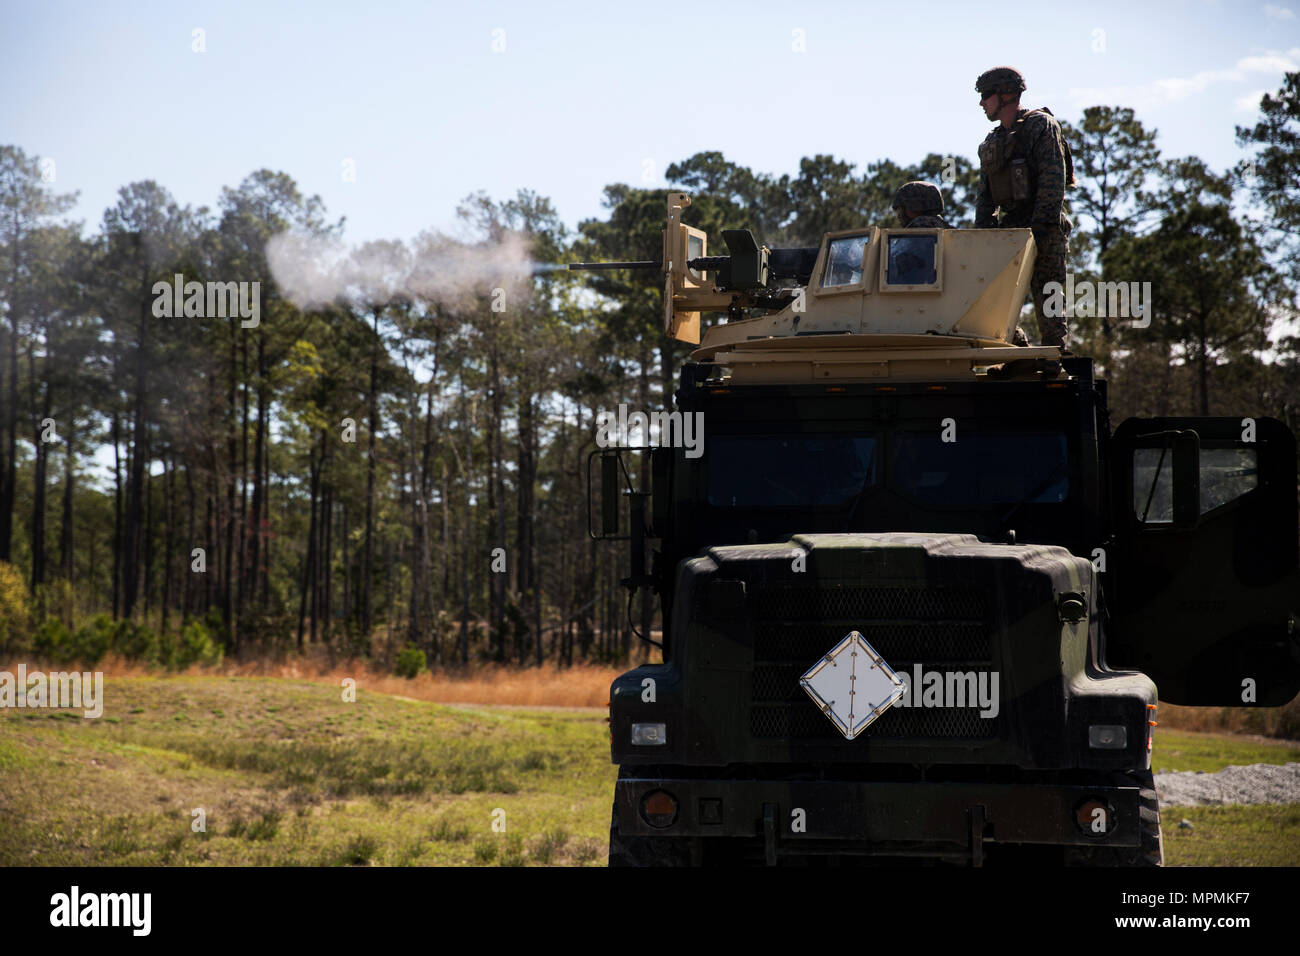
{"x":919,"y":597}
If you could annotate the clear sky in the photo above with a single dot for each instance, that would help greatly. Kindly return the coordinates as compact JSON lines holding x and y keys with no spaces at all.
{"x":431,"y":101}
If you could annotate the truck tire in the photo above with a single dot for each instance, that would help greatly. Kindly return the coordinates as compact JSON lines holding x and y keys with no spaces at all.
{"x":646,"y":851}
{"x":1151,"y":850}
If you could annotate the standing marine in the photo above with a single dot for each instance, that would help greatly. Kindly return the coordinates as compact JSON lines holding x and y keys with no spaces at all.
{"x":919,"y":205}
{"x":1025,"y":167}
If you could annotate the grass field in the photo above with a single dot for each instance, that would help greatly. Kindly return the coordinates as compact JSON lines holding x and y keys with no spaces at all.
{"x":286,"y":772}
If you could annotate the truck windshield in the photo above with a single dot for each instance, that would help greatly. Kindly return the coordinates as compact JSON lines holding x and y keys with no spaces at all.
{"x":981,"y":468}
{"x":832,"y":470}
{"x":789,"y":471}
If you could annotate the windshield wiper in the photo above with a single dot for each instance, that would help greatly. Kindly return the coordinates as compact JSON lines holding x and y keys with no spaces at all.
{"x":1046,"y":483}
{"x":866,"y":483}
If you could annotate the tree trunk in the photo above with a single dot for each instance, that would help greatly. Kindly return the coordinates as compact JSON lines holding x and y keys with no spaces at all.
{"x":367,"y":557}
{"x":309,"y":560}
{"x":38,"y":479}
{"x":257,"y":555}
{"x":467,"y":537}
{"x":147,"y":544}
{"x":1203,"y":358}
{"x":229,"y":609}
{"x":327,"y":564}
{"x":187,"y":574}
{"x":497,"y":508}
{"x":242,"y":569}
{"x":139,"y":441}
{"x":67,"y":539}
{"x":525,"y":584}
{"x":117,"y":516}
{"x":169,"y":537}
{"x":9,"y":433}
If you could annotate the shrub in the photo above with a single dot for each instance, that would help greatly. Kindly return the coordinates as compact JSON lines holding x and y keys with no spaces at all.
{"x":15,"y":611}
{"x":410,"y":661}
{"x":56,"y":598}
{"x":513,"y":854}
{"x":359,"y":852}
{"x":92,"y":640}
{"x":167,"y":649}
{"x":548,"y":845}
{"x":52,"y":642}
{"x":197,"y":647}
{"x":136,"y":642}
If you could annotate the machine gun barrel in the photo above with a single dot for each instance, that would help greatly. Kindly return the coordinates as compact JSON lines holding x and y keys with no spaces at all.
{"x":596,"y":266}
{"x":699,"y":264}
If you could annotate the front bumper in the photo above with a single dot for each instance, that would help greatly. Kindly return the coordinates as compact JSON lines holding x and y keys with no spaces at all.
{"x":870,"y":817}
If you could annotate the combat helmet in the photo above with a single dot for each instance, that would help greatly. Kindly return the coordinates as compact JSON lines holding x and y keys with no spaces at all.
{"x":1000,"y":79}
{"x":919,"y":197}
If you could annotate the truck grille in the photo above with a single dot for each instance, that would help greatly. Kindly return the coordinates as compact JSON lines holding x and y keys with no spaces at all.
{"x":940,"y":628}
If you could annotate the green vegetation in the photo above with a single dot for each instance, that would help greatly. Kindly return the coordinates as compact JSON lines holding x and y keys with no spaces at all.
{"x":1232,"y":836}
{"x":410,"y":662}
{"x":466,"y":419}
{"x":1180,"y":750}
{"x":53,"y":641}
{"x":287,"y":773}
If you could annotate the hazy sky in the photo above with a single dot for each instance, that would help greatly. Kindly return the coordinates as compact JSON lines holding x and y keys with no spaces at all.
{"x":431,"y":101}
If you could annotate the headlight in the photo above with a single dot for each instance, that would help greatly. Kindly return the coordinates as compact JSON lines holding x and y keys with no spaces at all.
{"x":1108,"y":736}
{"x":654,"y":735}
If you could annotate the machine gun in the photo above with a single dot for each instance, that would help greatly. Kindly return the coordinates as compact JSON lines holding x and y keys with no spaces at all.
{"x":868,"y":303}
{"x":751,"y":276}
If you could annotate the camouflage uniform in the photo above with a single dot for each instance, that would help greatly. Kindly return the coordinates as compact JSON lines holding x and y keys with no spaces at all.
{"x":1027,"y":165}
{"x":928,"y":222}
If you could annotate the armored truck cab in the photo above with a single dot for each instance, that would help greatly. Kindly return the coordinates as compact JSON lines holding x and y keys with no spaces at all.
{"x":920,"y":599}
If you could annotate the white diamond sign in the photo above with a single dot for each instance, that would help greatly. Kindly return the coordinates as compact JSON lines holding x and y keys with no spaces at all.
{"x":852,"y":685}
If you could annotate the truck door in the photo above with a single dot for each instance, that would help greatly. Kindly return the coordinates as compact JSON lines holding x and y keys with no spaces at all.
{"x":1205,"y":571}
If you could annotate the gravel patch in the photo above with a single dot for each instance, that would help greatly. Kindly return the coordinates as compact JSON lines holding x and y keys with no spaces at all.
{"x":1256,"y":783}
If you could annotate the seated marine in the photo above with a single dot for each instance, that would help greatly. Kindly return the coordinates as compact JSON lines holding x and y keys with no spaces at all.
{"x":919,"y":205}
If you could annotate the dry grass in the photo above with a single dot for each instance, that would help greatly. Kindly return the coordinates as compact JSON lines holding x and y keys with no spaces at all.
{"x":549,"y":686}
{"x":587,"y":685}
{"x":1282,"y":722}
{"x":289,"y":773}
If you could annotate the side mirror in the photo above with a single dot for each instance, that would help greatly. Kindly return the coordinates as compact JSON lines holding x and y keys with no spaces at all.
{"x":609,"y":496}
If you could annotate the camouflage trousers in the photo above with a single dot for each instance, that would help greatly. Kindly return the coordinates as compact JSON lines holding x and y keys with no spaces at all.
{"x":1050,"y":267}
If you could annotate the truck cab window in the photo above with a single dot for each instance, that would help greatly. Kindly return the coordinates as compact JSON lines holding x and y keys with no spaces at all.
{"x":981,"y":469}
{"x":911,"y":260}
{"x":789,"y":471}
{"x":844,"y":261}
{"x":1153,"y":485}
{"x":1226,"y":473}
